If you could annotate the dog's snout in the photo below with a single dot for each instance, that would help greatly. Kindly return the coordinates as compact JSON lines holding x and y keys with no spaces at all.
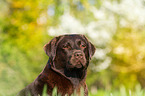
{"x":78,"y":55}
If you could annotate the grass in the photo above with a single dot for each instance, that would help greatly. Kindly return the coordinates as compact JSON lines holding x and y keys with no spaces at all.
{"x":138,"y":91}
{"x":121,"y":92}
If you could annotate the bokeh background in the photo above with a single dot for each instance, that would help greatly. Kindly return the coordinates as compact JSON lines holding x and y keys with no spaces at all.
{"x":115,"y":27}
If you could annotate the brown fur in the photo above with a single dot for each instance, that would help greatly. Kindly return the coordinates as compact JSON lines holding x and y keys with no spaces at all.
{"x":66,"y":69}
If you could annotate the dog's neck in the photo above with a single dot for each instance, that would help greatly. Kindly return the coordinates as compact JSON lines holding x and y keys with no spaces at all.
{"x":75,"y":75}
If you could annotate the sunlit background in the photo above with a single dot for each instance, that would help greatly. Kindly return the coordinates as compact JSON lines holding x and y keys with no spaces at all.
{"x":115,"y":27}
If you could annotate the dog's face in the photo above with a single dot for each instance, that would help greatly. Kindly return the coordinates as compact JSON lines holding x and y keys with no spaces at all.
{"x":70,"y":51}
{"x":73,"y":52}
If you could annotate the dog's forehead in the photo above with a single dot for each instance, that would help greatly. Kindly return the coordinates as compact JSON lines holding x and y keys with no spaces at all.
{"x":72,"y":38}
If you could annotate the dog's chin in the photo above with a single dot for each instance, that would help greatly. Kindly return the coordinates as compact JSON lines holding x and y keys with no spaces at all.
{"x":77,"y":65}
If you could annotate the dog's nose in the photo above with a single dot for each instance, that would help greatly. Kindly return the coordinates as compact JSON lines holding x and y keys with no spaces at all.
{"x":78,"y":55}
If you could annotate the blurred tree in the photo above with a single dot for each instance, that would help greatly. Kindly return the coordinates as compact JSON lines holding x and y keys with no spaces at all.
{"x":128,"y":55}
{"x":23,"y":34}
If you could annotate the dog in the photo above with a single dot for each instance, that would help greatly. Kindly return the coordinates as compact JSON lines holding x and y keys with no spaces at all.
{"x":69,"y":57}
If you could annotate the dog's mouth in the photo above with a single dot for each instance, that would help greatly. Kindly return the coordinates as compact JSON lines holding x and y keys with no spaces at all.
{"x":79,"y":64}
{"x":75,"y":65}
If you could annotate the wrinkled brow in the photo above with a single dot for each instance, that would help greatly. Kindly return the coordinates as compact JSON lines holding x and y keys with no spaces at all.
{"x":70,"y":42}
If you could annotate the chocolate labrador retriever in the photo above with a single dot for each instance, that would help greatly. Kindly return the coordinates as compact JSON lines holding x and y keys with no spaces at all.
{"x":69,"y":57}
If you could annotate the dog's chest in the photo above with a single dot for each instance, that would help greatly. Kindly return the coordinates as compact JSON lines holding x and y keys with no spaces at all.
{"x":75,"y":82}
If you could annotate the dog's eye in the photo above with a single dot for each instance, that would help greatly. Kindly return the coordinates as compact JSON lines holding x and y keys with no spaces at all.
{"x":83,"y":46}
{"x":66,"y":46}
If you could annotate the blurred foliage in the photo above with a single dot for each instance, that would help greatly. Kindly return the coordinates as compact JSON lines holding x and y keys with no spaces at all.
{"x":21,"y":43}
{"x":24,"y":27}
{"x":121,"y":92}
{"x":128,"y":56}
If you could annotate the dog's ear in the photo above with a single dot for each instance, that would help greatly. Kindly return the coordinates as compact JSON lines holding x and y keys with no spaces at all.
{"x":91,"y":47}
{"x":50,"y":48}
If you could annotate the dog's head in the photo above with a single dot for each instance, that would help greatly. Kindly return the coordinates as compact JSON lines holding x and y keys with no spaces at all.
{"x":70,"y":51}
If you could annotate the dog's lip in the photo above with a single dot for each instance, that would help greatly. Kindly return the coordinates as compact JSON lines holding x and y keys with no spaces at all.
{"x":70,"y":65}
{"x":79,"y":65}
{"x":79,"y":61}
